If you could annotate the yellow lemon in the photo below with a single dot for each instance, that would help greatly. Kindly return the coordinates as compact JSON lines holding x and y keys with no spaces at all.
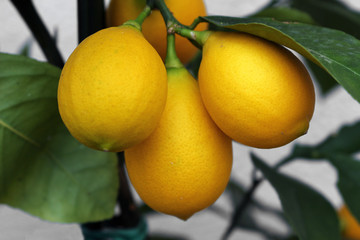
{"x":154,"y":28}
{"x":185,"y":165}
{"x":112,"y":90}
{"x":256,"y":91}
{"x":351,"y":227}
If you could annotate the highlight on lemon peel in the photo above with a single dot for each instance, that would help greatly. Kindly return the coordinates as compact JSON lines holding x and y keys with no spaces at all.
{"x":185,"y":165}
{"x":257,"y":92}
{"x":112,"y":90}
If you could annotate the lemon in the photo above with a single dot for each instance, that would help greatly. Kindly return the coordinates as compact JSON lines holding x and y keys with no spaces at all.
{"x":351,"y":227}
{"x":185,"y":165}
{"x":154,"y":28}
{"x":256,"y":91}
{"x":112,"y":90}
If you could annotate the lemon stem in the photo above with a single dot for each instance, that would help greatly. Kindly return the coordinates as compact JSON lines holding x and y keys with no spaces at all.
{"x":140,"y":18}
{"x":199,"y":37}
{"x":169,"y":18}
{"x":172,"y":60}
{"x":195,"y":23}
{"x":143,"y":15}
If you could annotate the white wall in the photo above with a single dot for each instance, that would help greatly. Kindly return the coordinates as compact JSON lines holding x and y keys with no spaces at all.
{"x":330,"y":113}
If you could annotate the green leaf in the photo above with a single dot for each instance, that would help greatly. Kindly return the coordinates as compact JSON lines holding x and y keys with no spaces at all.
{"x":43,"y":169}
{"x":348,"y":183}
{"x":285,"y":14}
{"x":309,"y":213}
{"x":336,"y":52}
{"x":326,"y":82}
{"x":346,"y":140}
{"x":332,"y":14}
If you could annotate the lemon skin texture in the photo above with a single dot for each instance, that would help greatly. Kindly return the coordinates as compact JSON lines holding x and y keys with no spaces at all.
{"x":112,"y":90}
{"x":185,"y":165}
{"x":351,"y":227}
{"x":154,"y":28}
{"x":256,"y":91}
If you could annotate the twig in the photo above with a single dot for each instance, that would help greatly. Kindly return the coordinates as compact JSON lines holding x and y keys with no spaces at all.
{"x":242,"y":206}
{"x":28,"y":12}
{"x":129,"y":216}
{"x":91,"y":17}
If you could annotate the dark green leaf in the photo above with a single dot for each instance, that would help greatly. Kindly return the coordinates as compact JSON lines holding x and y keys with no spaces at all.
{"x":325,"y":81}
{"x":304,"y":151}
{"x":345,"y":141}
{"x":235,"y":191}
{"x":285,"y":14}
{"x":43,"y":170}
{"x":336,"y":52}
{"x":332,"y":14}
{"x":348,"y":183}
{"x":309,"y":213}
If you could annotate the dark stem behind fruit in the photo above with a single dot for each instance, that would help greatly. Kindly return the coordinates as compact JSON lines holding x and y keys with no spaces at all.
{"x":47,"y":43}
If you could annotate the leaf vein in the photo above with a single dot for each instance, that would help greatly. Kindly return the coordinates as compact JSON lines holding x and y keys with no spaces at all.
{"x":18,"y":133}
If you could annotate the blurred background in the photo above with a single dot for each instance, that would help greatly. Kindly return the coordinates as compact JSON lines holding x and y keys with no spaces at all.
{"x":331,"y":112}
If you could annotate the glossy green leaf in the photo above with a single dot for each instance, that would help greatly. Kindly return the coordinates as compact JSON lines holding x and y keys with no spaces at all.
{"x":325,"y":81}
{"x":348,"y":183}
{"x":43,"y":169}
{"x":309,"y":213}
{"x":285,"y":14}
{"x":336,"y":52}
{"x":332,"y":14}
{"x":339,"y":149}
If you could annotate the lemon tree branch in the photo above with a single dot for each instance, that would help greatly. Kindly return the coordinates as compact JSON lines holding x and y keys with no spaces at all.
{"x":90,"y":16}
{"x":47,"y":43}
{"x":246,"y":200}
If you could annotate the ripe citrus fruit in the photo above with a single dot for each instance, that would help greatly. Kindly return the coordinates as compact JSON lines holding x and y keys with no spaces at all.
{"x":112,"y":90}
{"x":256,"y":91}
{"x":154,"y":28}
{"x":350,"y":226}
{"x":185,"y":164}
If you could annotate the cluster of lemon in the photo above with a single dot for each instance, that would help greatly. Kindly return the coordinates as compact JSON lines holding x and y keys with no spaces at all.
{"x":115,"y":94}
